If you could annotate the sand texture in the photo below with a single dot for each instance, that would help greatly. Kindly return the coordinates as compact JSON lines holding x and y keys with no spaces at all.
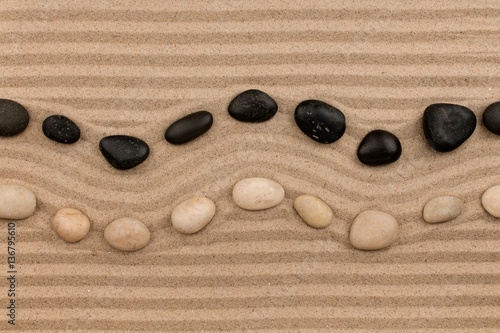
{"x":133,"y":67}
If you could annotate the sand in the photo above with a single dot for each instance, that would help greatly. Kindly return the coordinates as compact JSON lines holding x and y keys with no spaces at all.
{"x":134,"y":67}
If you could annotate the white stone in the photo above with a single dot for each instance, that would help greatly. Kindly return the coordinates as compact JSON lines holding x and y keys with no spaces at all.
{"x":442,"y":209}
{"x":71,"y":224}
{"x":258,"y":193}
{"x":491,"y":200}
{"x":313,"y":211}
{"x":127,"y":234}
{"x":16,"y":202}
{"x":373,"y":230}
{"x":192,"y":215}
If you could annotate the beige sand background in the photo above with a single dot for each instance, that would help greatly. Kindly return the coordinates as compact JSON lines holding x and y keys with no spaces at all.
{"x":133,"y":67}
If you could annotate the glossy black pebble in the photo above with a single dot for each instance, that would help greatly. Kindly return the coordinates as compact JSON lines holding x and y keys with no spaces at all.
{"x":447,"y":126}
{"x":320,"y":121}
{"x":14,"y":118}
{"x":123,"y":151}
{"x":61,"y":129}
{"x":491,"y":118}
{"x":379,"y":147}
{"x":189,"y":127}
{"x":253,"y":106}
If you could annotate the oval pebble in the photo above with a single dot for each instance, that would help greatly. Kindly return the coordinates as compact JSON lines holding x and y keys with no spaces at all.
{"x":14,"y":118}
{"x":491,"y":200}
{"x":189,"y":127}
{"x":123,"y":152}
{"x":320,"y":121}
{"x":61,"y":129}
{"x":127,"y":234}
{"x":258,"y":193}
{"x":253,"y":106}
{"x":373,"y":230}
{"x":192,"y":215}
{"x":313,"y":211}
{"x":442,"y":209}
{"x":71,"y":224}
{"x":491,"y":118}
{"x":379,"y":147}
{"x":16,"y":202}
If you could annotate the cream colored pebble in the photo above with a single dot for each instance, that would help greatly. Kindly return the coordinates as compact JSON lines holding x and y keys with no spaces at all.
{"x":313,"y":211}
{"x":71,"y":224}
{"x":442,"y":209}
{"x":373,"y":230}
{"x":258,"y":193}
{"x":16,"y":202}
{"x":192,"y":215}
{"x":491,"y":200}
{"x":127,"y":234}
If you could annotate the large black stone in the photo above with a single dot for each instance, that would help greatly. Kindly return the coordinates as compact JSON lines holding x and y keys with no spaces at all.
{"x":491,"y":118}
{"x":124,"y":152}
{"x":320,"y":121}
{"x":14,"y":118}
{"x":379,"y":147}
{"x":253,"y":106}
{"x":447,"y":126}
{"x":61,"y":129}
{"x":189,"y":127}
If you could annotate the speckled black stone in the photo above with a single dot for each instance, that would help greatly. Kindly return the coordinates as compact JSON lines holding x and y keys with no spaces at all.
{"x":491,"y":118}
{"x":379,"y":147}
{"x":61,"y":129}
{"x":320,"y":121}
{"x":14,"y":118}
{"x":447,"y":126}
{"x":189,"y":127}
{"x":253,"y":106}
{"x":124,"y":152}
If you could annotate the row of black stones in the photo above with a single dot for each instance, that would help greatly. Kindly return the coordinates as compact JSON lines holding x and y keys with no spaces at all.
{"x":446,"y":127}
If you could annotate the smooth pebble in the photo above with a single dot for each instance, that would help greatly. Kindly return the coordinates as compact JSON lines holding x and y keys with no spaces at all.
{"x":491,"y":200}
{"x":61,"y":129}
{"x":71,"y":224}
{"x":258,"y":193}
{"x":442,"y":209}
{"x":313,"y":211}
{"x":124,"y":152}
{"x":320,"y":121}
{"x":127,"y":234}
{"x":379,"y":147}
{"x":491,"y":118}
{"x":189,"y":127}
{"x":16,"y":202}
{"x":192,"y":215}
{"x":373,"y":230}
{"x":252,"y":106}
{"x":14,"y":118}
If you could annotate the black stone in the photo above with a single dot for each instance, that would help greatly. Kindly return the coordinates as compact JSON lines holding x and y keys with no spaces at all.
{"x":320,"y":121}
{"x":447,"y":126}
{"x":253,"y":106}
{"x":379,"y":147}
{"x":189,"y":127}
{"x":123,"y":151}
{"x":14,"y":118}
{"x":61,"y":129}
{"x":491,"y":118}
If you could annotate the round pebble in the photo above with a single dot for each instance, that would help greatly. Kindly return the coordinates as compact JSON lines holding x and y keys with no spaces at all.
{"x":253,"y":106}
{"x":127,"y":234}
{"x":320,"y":121}
{"x":373,"y":230}
{"x":491,"y":118}
{"x":189,"y":127}
{"x":61,"y":129}
{"x":192,"y":215}
{"x":379,"y":147}
{"x":442,"y":209}
{"x":491,"y":200}
{"x":71,"y":224}
{"x":124,"y":152}
{"x":258,"y":193}
{"x":14,"y":118}
{"x":313,"y":211}
{"x":16,"y":202}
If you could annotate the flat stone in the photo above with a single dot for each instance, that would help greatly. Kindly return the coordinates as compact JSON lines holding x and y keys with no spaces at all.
{"x":16,"y":202}
{"x":313,"y":211}
{"x":447,"y":126}
{"x":61,"y":129}
{"x":14,"y":118}
{"x":258,"y":193}
{"x":379,"y":147}
{"x":373,"y":230}
{"x":491,"y":118}
{"x":124,"y":152}
{"x":192,"y":215}
{"x":71,"y":224}
{"x":491,"y":200}
{"x":320,"y":121}
{"x":127,"y":234}
{"x":253,"y":106}
{"x":189,"y":127}
{"x":442,"y":209}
